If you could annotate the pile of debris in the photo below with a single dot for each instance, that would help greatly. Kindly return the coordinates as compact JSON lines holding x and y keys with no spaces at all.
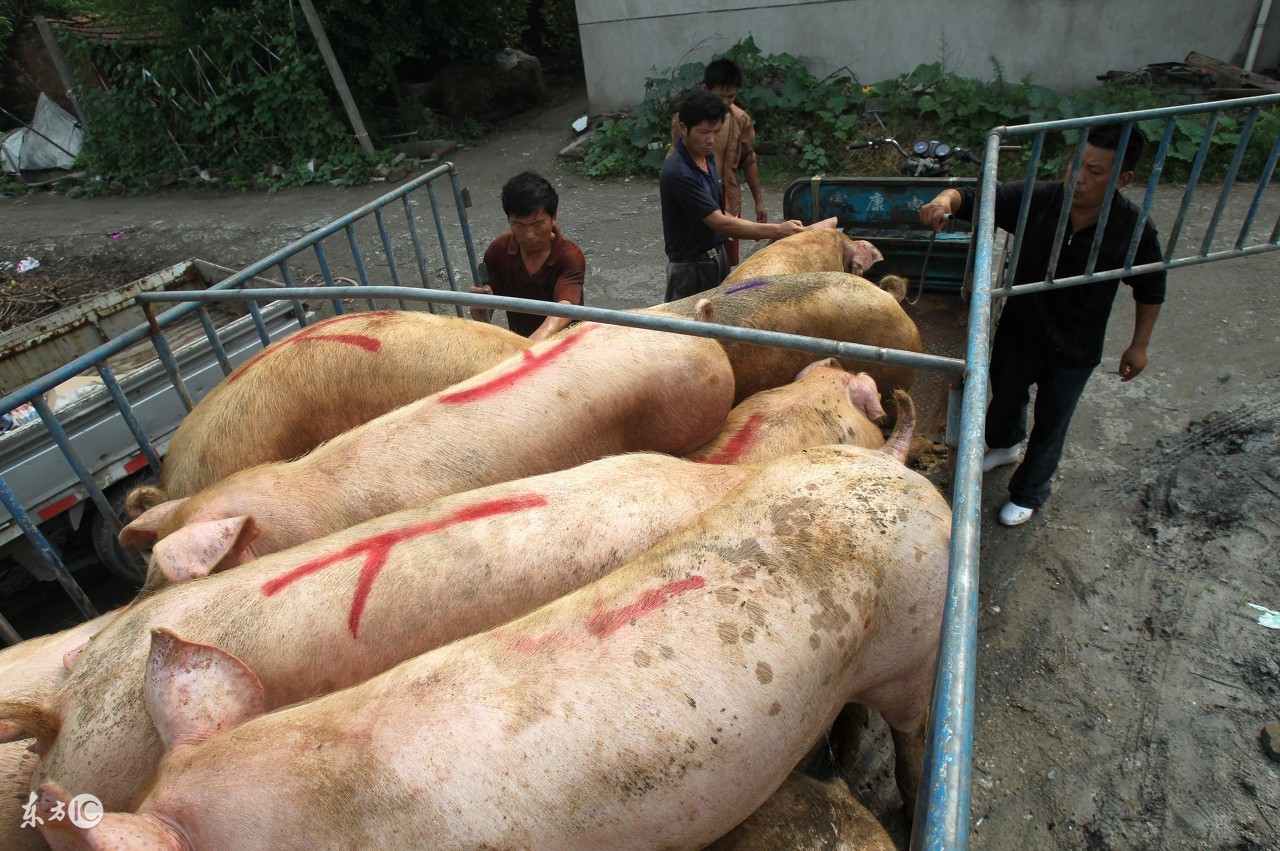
{"x":1197,"y":79}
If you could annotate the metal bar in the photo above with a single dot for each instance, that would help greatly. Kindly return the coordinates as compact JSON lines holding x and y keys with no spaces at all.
{"x":10,"y":635}
{"x":386,"y":248}
{"x":1064,"y":214}
{"x":286,"y":275}
{"x":1153,"y":181}
{"x":256,"y":313}
{"x":416,"y":239}
{"x":338,"y":309}
{"x":444,"y":246}
{"x":1109,"y":198}
{"x":161,"y":345}
{"x":358,"y":257}
{"x":1138,"y":115}
{"x":1263,"y":182}
{"x":1033,"y":165}
{"x":942,"y":807}
{"x":1229,"y":180}
{"x":212,"y":333}
{"x":466,"y":226}
{"x":59,"y":436}
{"x":650,"y":321}
{"x":45,"y":552}
{"x":130,"y":419}
{"x":1192,"y":180}
{"x":1194,"y":260}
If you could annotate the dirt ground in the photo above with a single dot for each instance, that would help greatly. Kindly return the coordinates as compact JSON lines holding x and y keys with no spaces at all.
{"x":1123,"y":677}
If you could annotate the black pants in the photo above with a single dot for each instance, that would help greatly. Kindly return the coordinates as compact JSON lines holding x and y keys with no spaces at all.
{"x":692,"y":277}
{"x":1058,"y":390}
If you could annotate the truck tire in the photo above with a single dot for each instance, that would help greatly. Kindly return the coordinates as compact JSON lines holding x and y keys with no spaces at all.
{"x":127,"y":564}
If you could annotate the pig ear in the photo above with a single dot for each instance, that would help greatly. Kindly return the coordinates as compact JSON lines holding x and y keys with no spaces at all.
{"x":865,"y":396}
{"x":145,"y":527}
{"x":19,"y":720}
{"x":860,"y":255}
{"x":704,"y":310}
{"x":894,"y":285}
{"x":113,"y":831}
{"x":203,"y":548}
{"x":195,"y":691}
{"x":69,"y":658}
{"x":824,"y":224}
{"x":832,"y":362}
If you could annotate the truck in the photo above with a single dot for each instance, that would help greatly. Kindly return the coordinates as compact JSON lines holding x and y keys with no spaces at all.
{"x":94,"y":393}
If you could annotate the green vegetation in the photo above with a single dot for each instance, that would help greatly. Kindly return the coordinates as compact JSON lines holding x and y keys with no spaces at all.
{"x":235,"y":92}
{"x":805,"y":125}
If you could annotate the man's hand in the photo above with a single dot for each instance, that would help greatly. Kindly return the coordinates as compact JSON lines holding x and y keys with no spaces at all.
{"x":935,"y":213}
{"x":1132,"y":362}
{"x":789,"y":228}
{"x":762,"y":215}
{"x":478,"y":313}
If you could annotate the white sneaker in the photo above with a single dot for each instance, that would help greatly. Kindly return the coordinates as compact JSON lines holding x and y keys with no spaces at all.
{"x":1013,"y":514}
{"x":998,"y":458}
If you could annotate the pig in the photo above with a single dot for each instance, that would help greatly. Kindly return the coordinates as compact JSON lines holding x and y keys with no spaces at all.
{"x":807,"y":814}
{"x":355,"y":616}
{"x":823,"y":405}
{"x":591,"y":391}
{"x":658,"y":706}
{"x":317,"y":383}
{"x":829,"y":305}
{"x":32,"y":671}
{"x":818,"y":250}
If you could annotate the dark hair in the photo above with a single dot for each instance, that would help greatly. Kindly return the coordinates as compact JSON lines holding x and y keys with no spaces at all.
{"x":1107,"y":137}
{"x":526,"y":193}
{"x":722,"y":72}
{"x":702,"y":106}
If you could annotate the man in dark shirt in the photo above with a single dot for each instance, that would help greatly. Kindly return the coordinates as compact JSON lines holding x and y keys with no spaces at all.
{"x":534,"y":260}
{"x":1053,"y":339}
{"x":694,"y":222}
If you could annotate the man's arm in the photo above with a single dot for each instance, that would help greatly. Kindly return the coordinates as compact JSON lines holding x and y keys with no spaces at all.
{"x":550,"y":325}
{"x":933,"y":214}
{"x":752,"y":172}
{"x":750,"y":167}
{"x":1134,"y":359}
{"x":734,"y":227}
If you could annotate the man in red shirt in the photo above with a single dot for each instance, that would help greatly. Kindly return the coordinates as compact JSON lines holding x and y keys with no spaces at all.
{"x":534,"y":260}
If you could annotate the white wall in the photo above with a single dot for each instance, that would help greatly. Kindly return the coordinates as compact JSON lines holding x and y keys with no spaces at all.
{"x":1064,"y":44}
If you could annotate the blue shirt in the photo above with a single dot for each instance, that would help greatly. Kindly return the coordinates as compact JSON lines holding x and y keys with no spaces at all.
{"x":688,"y":196}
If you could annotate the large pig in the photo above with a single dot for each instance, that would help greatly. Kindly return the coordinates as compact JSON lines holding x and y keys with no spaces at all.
{"x":823,"y":405}
{"x":807,"y":814}
{"x":317,"y":383}
{"x":830,"y":305}
{"x":32,"y":671}
{"x":658,"y":707}
{"x":387,"y":590}
{"x":819,"y":250}
{"x":592,"y":391}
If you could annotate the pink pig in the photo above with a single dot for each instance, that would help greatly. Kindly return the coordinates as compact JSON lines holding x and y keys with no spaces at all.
{"x":815,"y":250}
{"x":659,"y":706}
{"x":823,"y":405}
{"x":592,"y":391}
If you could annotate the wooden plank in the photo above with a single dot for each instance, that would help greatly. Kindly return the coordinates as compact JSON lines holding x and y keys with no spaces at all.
{"x":1223,"y":68}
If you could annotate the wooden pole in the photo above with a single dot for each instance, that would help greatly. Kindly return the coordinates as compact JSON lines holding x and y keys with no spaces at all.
{"x":339,"y":81}
{"x":61,"y":66}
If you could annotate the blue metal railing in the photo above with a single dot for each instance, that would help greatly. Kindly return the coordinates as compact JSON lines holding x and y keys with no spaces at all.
{"x":155,"y":331}
{"x":942,"y":812}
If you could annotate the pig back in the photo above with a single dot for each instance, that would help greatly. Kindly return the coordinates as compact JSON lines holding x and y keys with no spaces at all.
{"x":829,"y":305}
{"x":321,"y":381}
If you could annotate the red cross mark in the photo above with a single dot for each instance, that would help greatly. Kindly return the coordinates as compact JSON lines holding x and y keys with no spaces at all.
{"x":376,"y":549}
{"x":530,"y":363}
{"x":313,"y":335}
{"x":737,"y":446}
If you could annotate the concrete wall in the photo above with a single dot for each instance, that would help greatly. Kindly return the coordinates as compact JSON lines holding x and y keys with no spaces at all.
{"x":1064,"y":44}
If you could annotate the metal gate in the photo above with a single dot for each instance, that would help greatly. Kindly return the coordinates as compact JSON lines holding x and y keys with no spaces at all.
{"x":942,"y":814}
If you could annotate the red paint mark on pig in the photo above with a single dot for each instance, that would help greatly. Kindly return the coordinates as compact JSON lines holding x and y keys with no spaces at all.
{"x":530,"y":363}
{"x":376,"y":549}
{"x":313,"y":335}
{"x":737,"y":445}
{"x":753,"y":284}
{"x":604,"y":622}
